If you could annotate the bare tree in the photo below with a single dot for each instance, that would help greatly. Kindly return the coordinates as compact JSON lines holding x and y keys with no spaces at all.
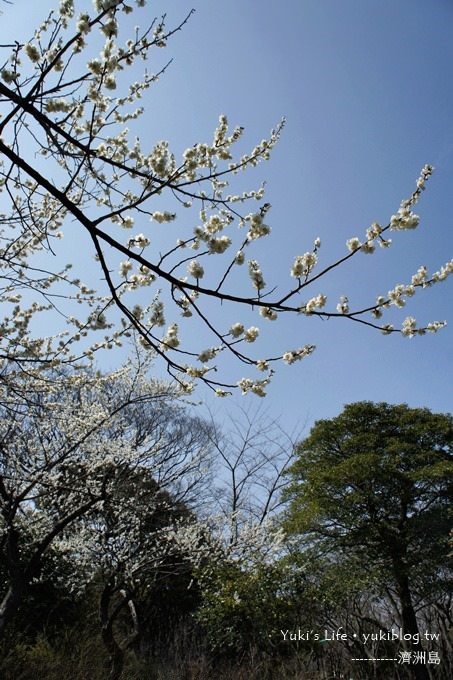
{"x":253,"y":451}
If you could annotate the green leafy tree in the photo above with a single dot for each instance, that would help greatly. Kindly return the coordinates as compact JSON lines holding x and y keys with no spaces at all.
{"x":244,"y":609}
{"x":372,"y":487}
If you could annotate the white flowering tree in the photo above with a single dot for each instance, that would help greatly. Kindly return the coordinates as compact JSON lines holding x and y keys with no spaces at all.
{"x":136,"y":542}
{"x":67,"y":450}
{"x":72,"y":164}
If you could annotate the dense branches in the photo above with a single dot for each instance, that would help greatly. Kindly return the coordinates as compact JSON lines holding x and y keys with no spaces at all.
{"x":67,"y":450}
{"x":70,"y":165}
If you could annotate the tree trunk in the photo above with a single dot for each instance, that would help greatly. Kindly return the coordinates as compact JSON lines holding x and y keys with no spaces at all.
{"x":115,"y":652}
{"x":18,"y":581}
{"x":10,"y":604}
{"x":409,"y":623}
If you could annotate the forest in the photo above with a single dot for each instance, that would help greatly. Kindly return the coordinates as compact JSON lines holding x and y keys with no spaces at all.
{"x":129,"y":552}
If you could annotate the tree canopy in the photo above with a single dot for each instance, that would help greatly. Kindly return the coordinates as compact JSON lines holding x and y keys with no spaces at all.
{"x":372,"y":488}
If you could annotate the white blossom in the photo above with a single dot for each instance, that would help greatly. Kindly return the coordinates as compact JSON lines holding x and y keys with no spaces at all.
{"x":444,"y":272}
{"x":207,"y":354}
{"x":256,"y":275}
{"x":163,"y":216}
{"x":127,"y":222}
{"x":83,"y":23}
{"x":32,"y":52}
{"x":317,"y":302}
{"x":219,"y":245}
{"x":236,"y":330}
{"x":170,"y":340}
{"x":251,"y":334}
{"x":140,"y":241}
{"x":257,"y":227}
{"x":343,"y":305}
{"x":195,"y":269}
{"x":409,"y":326}
{"x":297,"y":354}
{"x":268,"y":313}
{"x":303,"y":264}
{"x":353,"y":244}
{"x":256,"y":387}
{"x":157,"y":317}
{"x":125,"y":267}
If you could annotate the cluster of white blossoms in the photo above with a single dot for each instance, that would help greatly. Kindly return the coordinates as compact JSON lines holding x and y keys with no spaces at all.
{"x":162,"y":217}
{"x":194,"y":372}
{"x":298,"y":354}
{"x":139,"y":241}
{"x":317,"y":302}
{"x":257,"y":228}
{"x":218,"y":245}
{"x":256,"y":275}
{"x":83,"y":23}
{"x":195,"y":269}
{"x":402,"y":220}
{"x":157,"y":317}
{"x":213,"y":225}
{"x":170,"y":340}
{"x":32,"y":52}
{"x":125,"y":268}
{"x":251,"y":334}
{"x":443,"y":272}
{"x":257,"y":387}
{"x":208,"y":354}
{"x":405,"y":218}
{"x":409,"y":327}
{"x":397,"y":296}
{"x":268,"y":313}
{"x":304,"y":264}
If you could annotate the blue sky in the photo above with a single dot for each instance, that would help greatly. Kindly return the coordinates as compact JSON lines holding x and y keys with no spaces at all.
{"x":366,"y":90}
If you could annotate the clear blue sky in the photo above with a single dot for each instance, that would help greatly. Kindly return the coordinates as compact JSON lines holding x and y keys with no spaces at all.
{"x":366,"y":89}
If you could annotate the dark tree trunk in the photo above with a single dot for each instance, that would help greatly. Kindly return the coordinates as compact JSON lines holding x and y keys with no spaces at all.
{"x":22,"y":573}
{"x":409,"y":623}
{"x":115,"y":652}
{"x":10,"y":603}
{"x":18,"y":580}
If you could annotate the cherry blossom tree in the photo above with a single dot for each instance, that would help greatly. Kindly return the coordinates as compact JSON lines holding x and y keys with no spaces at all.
{"x":71,"y":163}
{"x":67,"y":450}
{"x":138,"y":541}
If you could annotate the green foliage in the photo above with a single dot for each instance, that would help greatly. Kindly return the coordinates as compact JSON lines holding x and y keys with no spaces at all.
{"x":371,"y":493}
{"x":246,"y":608}
{"x":375,"y":476}
{"x":77,"y":657}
